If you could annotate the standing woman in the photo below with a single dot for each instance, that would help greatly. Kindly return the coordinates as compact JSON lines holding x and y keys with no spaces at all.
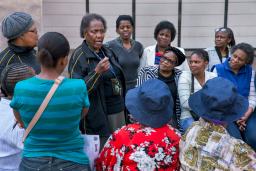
{"x":192,"y":81}
{"x":20,"y":30}
{"x":167,"y":73}
{"x":224,"y":41}
{"x":104,"y":78}
{"x":164,"y":34}
{"x":238,"y":70}
{"x":55,"y":142}
{"x":127,"y":50}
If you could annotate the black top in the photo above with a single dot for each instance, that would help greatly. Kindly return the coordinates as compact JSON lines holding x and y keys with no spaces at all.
{"x":114,"y":101}
{"x":170,"y":81}
{"x":129,"y":59}
{"x":82,"y":65}
{"x":18,"y":54}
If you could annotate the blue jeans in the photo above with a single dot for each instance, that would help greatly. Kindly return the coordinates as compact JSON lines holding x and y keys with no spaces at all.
{"x":234,"y":131}
{"x":186,"y":123}
{"x":50,"y":164}
{"x":248,"y":135}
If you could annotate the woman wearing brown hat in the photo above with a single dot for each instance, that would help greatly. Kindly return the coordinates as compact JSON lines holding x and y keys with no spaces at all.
{"x":166,"y":72}
{"x":20,"y":30}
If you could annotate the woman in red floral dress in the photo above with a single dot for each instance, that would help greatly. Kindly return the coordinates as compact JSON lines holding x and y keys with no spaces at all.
{"x":150,"y":143}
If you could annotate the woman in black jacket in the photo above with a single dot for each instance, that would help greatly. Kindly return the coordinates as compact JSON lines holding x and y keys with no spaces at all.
{"x":104,"y":78}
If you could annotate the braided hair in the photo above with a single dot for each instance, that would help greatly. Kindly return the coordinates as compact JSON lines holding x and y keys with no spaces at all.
{"x":12,"y":74}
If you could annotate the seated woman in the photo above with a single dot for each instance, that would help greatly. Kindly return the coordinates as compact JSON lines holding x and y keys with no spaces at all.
{"x":224,"y":41}
{"x":192,"y":81}
{"x":167,"y":72}
{"x":150,"y":144}
{"x":55,"y":141}
{"x":127,"y":50}
{"x":238,"y":70}
{"x":207,"y":146}
{"x":10,"y":134}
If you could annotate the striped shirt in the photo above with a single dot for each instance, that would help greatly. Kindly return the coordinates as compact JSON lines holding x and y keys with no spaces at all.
{"x":151,"y":72}
{"x":56,"y":134}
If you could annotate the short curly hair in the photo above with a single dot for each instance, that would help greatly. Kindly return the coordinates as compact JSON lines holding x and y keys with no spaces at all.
{"x":165,"y":25}
{"x":247,"y":48}
{"x":124,"y":18}
{"x":87,"y":19}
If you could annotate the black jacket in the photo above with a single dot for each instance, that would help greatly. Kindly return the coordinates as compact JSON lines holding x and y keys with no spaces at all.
{"x":81,"y":65}
{"x":16,"y":54}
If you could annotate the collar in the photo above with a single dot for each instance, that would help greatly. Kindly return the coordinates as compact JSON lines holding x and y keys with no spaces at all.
{"x":5,"y":101}
{"x":214,"y":127}
{"x":119,"y":40}
{"x":227,"y":67}
{"x":89,"y":52}
{"x":19,"y":49}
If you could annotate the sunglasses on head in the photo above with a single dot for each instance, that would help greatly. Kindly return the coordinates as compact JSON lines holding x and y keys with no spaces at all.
{"x":220,"y":29}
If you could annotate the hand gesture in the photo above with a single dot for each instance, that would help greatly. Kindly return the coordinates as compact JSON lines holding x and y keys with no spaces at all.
{"x":242,"y":121}
{"x":102,"y":66}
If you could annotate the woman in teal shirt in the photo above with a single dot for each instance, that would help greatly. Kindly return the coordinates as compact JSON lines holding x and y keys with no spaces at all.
{"x":55,"y":142}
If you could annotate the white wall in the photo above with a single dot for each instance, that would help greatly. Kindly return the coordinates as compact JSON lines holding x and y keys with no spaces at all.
{"x":199,"y":18}
{"x":64,"y":16}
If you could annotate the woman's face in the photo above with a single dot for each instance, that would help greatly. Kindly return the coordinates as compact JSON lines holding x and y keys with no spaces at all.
{"x":94,"y":35}
{"x":164,"y":38}
{"x":238,"y":59}
{"x":125,"y":29}
{"x":30,"y":38}
{"x":197,"y":64}
{"x":222,"y":39}
{"x":168,"y":61}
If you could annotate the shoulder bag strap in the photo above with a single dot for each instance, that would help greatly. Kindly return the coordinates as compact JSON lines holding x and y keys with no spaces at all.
{"x":42,"y":107}
{"x":192,"y":84}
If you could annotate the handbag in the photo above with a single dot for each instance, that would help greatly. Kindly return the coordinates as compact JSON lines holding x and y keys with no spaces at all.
{"x":193,"y":114}
{"x":42,"y":107}
{"x":91,"y":148}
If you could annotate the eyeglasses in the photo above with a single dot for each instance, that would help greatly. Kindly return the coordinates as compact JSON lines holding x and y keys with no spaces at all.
{"x":220,"y":29}
{"x":33,"y":31}
{"x":164,"y":59}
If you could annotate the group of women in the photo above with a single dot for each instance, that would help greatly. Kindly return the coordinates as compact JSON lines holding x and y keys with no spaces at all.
{"x":110,"y":70}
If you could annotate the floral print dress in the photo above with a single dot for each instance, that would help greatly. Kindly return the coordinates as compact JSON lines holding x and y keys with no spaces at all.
{"x":137,"y":147}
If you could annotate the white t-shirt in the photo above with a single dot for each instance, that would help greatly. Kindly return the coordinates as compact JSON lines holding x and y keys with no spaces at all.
{"x":10,"y":139}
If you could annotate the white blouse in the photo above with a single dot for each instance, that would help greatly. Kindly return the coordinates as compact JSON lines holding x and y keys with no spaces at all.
{"x":184,"y":90}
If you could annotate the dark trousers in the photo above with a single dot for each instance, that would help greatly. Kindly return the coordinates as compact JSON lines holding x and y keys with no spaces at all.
{"x":50,"y":164}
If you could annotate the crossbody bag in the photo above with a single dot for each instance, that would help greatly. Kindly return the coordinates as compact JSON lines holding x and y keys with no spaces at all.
{"x":42,"y":106}
{"x":193,"y":114}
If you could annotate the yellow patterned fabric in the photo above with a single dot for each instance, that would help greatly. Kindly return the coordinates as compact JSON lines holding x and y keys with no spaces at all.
{"x":208,"y":147}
